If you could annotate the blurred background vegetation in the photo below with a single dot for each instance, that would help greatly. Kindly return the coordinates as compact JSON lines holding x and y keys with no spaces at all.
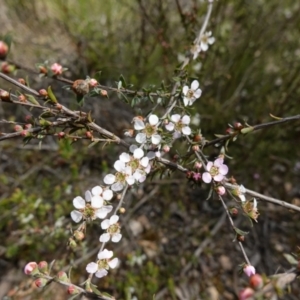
{"x":252,"y":70}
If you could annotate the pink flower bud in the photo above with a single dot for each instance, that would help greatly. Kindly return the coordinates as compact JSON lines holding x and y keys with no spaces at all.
{"x":18,"y":128}
{"x":31,"y":268}
{"x":43,"y":93}
{"x":256,"y":281}
{"x":22,"y":81}
{"x":249,"y":270}
{"x":3,"y":49}
{"x":78,"y":235}
{"x":4,"y":96}
{"x":24,"y":133}
{"x":89,"y":135}
{"x":72,"y":290}
{"x":43,"y":266}
{"x":221,"y":190}
{"x":40,"y":282}
{"x":93,"y":82}
{"x":28,"y":126}
{"x":57,"y":69}
{"x":246,"y":293}
{"x":166,"y":148}
{"x":61,"y":135}
{"x":22,"y":98}
{"x":198,"y":165}
{"x":103,"y":93}
{"x":62,"y":276}
{"x":196,"y":148}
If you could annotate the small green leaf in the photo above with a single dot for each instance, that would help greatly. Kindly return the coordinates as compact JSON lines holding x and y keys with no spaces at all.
{"x":240,"y":232}
{"x":32,"y":100}
{"x":274,"y":117}
{"x":291,"y":259}
{"x":93,"y":144}
{"x":247,"y":130}
{"x":51,"y":95}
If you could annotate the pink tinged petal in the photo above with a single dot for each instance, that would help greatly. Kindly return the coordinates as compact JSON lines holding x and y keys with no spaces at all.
{"x":76,"y":216}
{"x":206,"y":177}
{"x":197,"y":93}
{"x":113,"y":263}
{"x":79,"y":202}
{"x":118,"y":186}
{"x":97,"y":202}
{"x":92,"y":268}
{"x":138,"y":153}
{"x":176,"y":135}
{"x":170,"y":126}
{"x":186,"y":130}
{"x":97,"y":190}
{"x":105,"y":254}
{"x":101,"y":273}
{"x":144,"y":162}
{"x":113,"y":219}
{"x":185,"y":89}
{"x":186,"y":120}
{"x":195,"y":85}
{"x":116,"y":237}
{"x":140,"y":138}
{"x":148,"y":168}
{"x":139,"y":124}
{"x":209,"y":165}
{"x":223,"y":169}
{"x":104,"y":238}
{"x":30,"y":267}
{"x":218,"y":177}
{"x":153,"y":120}
{"x":107,"y":195}
{"x":175,"y":118}
{"x":125,"y":157}
{"x":105,"y":224}
{"x":155,"y":139}
{"x":88,"y":196}
{"x":249,"y":270}
{"x":142,"y":178}
{"x":119,"y":165}
{"x":109,"y":179}
{"x":219,"y":162}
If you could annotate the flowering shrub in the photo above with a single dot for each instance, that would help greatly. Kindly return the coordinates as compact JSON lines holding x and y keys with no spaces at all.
{"x":148,"y":143}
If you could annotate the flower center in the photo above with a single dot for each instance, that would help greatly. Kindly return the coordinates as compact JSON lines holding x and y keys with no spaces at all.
{"x":190,"y":93}
{"x":214,"y":171}
{"x":89,"y":212}
{"x":149,"y":130}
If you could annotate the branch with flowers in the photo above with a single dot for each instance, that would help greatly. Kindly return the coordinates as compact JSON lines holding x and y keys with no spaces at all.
{"x":147,"y":143}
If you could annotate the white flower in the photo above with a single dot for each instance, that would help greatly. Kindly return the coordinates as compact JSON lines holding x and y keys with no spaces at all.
{"x":112,"y":230}
{"x":88,"y":208}
{"x":149,"y":130}
{"x":180,"y":125}
{"x":215,"y":170}
{"x":191,"y":94}
{"x":206,"y":39}
{"x":103,"y":264}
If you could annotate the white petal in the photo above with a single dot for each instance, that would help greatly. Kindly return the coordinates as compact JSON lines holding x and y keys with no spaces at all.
{"x":139,"y":124}
{"x":254,"y":203}
{"x":92,"y":268}
{"x":116,"y":237}
{"x":186,"y":130}
{"x":185,"y":90}
{"x":138,"y":153}
{"x":186,"y":101}
{"x":104,"y":238}
{"x":113,"y":263}
{"x":204,"y":46}
{"x":109,"y":179}
{"x":119,"y":165}
{"x":76,"y":216}
{"x":132,"y":148}
{"x":140,"y":138}
{"x":108,"y":194}
{"x":97,"y":190}
{"x":186,"y":120}
{"x":118,"y":186}
{"x":151,"y":154}
{"x":102,"y":212}
{"x":130,"y":180}
{"x":79,"y":202}
{"x":105,"y":254}
{"x":97,"y":202}
{"x":155,"y":139}
{"x":153,"y":119}
{"x":125,"y":157}
{"x":170,"y":126}
{"x":175,"y":118}
{"x":195,"y":85}
{"x":101,"y":273}
{"x":88,"y":196}
{"x":105,"y":224}
{"x":197,"y":93}
{"x":113,"y":219}
{"x":144,"y":161}
{"x":206,"y":177}
{"x":211,"y":40}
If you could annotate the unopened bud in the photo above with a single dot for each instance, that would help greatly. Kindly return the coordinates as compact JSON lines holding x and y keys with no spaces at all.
{"x":229,"y":130}
{"x":81,"y":87}
{"x":61,"y":135}
{"x":93,"y":82}
{"x":166,"y":148}
{"x":103,"y":93}
{"x":43,"y":93}
{"x":238,"y":125}
{"x":129,"y":132}
{"x":4,"y":96}
{"x":28,"y":126}
{"x":246,"y":293}
{"x":78,"y":235}
{"x":72,"y":290}
{"x":58,"y":106}
{"x":234,"y":211}
{"x":249,"y":270}
{"x":24,"y":133}
{"x":198,"y":165}
{"x":197,"y":138}
{"x":196,"y":148}
{"x":31,"y":268}
{"x":89,"y":135}
{"x":40,"y":282}
{"x":256,"y":281}
{"x":43,"y":70}
{"x":7,"y":68}
{"x":3,"y":49}
{"x":72,"y":243}
{"x":22,"y":98}
{"x":221,"y":190}
{"x":62,"y":276}
{"x":122,"y":210}
{"x":241,"y":238}
{"x":22,"y":81}
{"x":18,"y":128}
{"x":43,"y":267}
